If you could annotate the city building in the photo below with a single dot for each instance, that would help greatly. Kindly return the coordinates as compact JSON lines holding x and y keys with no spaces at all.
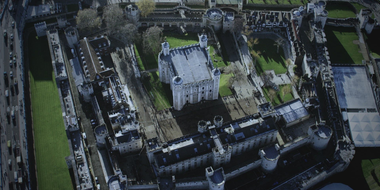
{"x":214,"y":147}
{"x":90,"y":52}
{"x":190,"y":72}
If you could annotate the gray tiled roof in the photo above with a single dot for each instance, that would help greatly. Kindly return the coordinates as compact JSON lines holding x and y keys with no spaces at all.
{"x":190,"y":63}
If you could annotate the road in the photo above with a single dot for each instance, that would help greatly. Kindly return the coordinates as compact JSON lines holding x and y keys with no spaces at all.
{"x":12,"y":130}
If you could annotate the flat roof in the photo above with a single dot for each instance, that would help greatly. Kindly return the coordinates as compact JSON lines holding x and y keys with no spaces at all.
{"x":190,"y":63}
{"x":292,"y":110}
{"x":202,"y":143}
{"x":365,"y":128}
{"x":218,"y":176}
{"x":353,"y":87}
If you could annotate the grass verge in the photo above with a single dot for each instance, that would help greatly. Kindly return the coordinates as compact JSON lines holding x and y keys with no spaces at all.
{"x":159,"y":93}
{"x":340,"y":10}
{"x":224,"y":84}
{"x":279,"y":97}
{"x":340,"y":43}
{"x":51,"y":145}
{"x":268,"y":58}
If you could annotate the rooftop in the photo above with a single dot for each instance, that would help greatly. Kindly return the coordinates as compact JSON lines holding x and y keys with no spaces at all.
{"x":271,"y":152}
{"x":217,"y":177}
{"x":353,"y":87}
{"x":365,"y":129}
{"x":292,"y":110}
{"x":190,"y":63}
{"x":92,"y":63}
{"x":202,"y":143}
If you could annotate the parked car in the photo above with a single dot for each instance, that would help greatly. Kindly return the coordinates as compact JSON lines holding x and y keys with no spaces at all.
{"x":11,"y":37}
{"x":11,"y":74}
{"x":13,"y":24}
{"x":10,"y":63}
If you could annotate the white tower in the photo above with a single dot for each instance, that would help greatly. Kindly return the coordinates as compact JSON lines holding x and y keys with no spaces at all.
{"x":216,"y":75}
{"x":269,"y":157}
{"x":165,"y":48}
{"x":203,"y":40}
{"x":216,"y":178}
{"x":177,"y":93}
{"x":320,"y":136}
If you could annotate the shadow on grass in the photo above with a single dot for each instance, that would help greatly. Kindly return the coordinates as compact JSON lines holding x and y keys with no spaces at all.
{"x":41,"y":67}
{"x":338,"y":54}
{"x":373,"y":41}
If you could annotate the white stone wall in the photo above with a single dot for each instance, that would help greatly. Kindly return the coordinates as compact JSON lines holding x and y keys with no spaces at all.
{"x":186,"y":165}
{"x":132,"y":146}
{"x":254,"y":142}
{"x":219,"y":158}
{"x":194,"y":92}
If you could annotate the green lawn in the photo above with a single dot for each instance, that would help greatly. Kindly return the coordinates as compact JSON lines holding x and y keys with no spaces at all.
{"x":280,"y":97}
{"x":278,"y":2}
{"x":358,"y":7}
{"x":159,"y":92}
{"x":341,"y":47}
{"x":139,"y":61}
{"x":178,"y":40}
{"x":268,"y":58}
{"x":224,"y":84}
{"x":371,"y":169}
{"x":51,"y":145}
{"x":340,"y":10}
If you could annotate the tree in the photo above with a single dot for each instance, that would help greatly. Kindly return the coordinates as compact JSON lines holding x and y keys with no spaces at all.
{"x":252,"y":42}
{"x":255,"y":54}
{"x":126,"y":33}
{"x":278,"y":43}
{"x":286,"y":90}
{"x":88,"y":19}
{"x":114,"y":18}
{"x":272,"y":94}
{"x":146,"y":7}
{"x":117,"y":25}
{"x":152,"y":39}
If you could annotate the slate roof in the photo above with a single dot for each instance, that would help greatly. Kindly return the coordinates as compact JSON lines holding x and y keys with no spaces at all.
{"x":190,"y":63}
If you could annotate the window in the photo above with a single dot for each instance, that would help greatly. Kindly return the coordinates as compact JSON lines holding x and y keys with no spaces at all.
{"x":187,"y":96}
{"x":210,"y":90}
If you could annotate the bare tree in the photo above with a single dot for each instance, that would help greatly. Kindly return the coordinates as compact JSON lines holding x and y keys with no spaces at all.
{"x":272,"y":94}
{"x":114,"y":18}
{"x":88,"y":19}
{"x":238,"y":25}
{"x":126,"y":33}
{"x":252,"y":42}
{"x":255,"y":54}
{"x":279,"y":42}
{"x":152,"y":39}
{"x":146,"y":7}
{"x":117,"y":25}
{"x":286,"y":90}
{"x":295,"y":80}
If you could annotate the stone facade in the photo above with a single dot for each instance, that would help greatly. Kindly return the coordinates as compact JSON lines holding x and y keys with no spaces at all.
{"x":190,"y":72}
